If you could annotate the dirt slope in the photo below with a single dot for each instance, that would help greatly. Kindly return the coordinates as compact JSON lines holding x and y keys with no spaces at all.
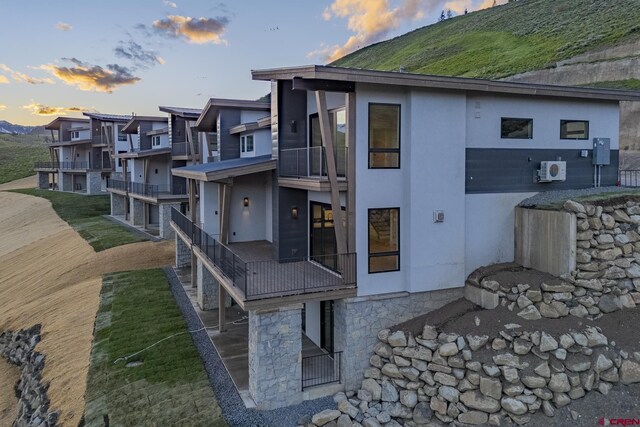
{"x":50,"y":275}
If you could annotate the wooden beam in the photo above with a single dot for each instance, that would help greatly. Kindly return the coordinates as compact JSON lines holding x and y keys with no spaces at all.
{"x":130,"y":142}
{"x":327,"y":142}
{"x":192,"y":214}
{"x":224,"y":200}
{"x":222,"y":308}
{"x":350,"y":113}
{"x":190,"y":141}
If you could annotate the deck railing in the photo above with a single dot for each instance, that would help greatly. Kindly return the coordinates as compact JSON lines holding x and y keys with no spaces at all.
{"x":272,"y":278}
{"x":321,"y":369}
{"x":62,"y":165}
{"x":310,"y":162}
{"x":150,"y":190}
{"x":45,"y":165}
{"x":182,"y":149}
{"x":629,"y":178}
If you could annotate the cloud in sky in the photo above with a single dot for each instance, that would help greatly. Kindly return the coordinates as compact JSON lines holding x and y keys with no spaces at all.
{"x":92,"y":77}
{"x":63,"y":26}
{"x":137,"y":54}
{"x":372,"y":20}
{"x":38,"y":109}
{"x":193,"y":30}
{"x":22,"y":77}
{"x":3,"y":79}
{"x":170,"y":4}
{"x":3,"y":107}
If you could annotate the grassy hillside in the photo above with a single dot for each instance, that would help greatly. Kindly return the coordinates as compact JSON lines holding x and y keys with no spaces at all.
{"x":520,"y":36}
{"x":17,"y":155}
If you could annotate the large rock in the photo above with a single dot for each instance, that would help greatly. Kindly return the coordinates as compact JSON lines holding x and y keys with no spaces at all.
{"x":325,"y":417}
{"x":513,"y":406}
{"x":603,"y":363}
{"x":578,"y":363}
{"x":473,"y":418}
{"x":477,"y":342}
{"x":532,"y":381}
{"x":609,"y":303}
{"x":372,"y":387}
{"x":388,"y":392}
{"x":559,"y":383}
{"x":429,"y":332}
{"x":474,"y":400}
{"x":547,"y":342}
{"x":595,"y":338}
{"x":397,"y":339}
{"x":448,"y":393}
{"x":482,"y":297}
{"x":422,"y":414}
{"x":346,"y":407}
{"x":629,"y":372}
{"x":391,"y":371}
{"x":491,"y":387}
{"x":575,"y":207}
{"x":530,"y":313}
{"x":408,"y":398}
{"x":448,"y":349}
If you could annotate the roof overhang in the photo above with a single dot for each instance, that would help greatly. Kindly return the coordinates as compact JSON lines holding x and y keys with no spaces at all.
{"x":209,"y":116}
{"x":153,"y":132}
{"x":247,"y":127}
{"x":226,"y":169}
{"x":186,"y":113}
{"x":391,"y":78}
{"x":108,"y":117}
{"x":55,"y":124}
{"x":132,"y":125}
{"x":143,"y":153}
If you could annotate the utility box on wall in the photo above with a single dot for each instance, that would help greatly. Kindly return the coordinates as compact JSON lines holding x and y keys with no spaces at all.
{"x":601,"y":151}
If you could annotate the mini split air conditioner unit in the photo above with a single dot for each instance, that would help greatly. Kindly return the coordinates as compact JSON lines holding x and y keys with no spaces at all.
{"x":552,"y":171}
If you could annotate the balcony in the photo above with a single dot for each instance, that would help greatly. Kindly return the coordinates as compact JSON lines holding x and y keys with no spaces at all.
{"x":265,"y":281}
{"x":153,"y":191}
{"x":306,"y":168}
{"x":45,"y":165}
{"x":72,"y":166}
{"x":182,"y":149}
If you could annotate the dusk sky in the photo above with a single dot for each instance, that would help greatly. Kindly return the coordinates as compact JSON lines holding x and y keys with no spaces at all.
{"x":65,"y":56}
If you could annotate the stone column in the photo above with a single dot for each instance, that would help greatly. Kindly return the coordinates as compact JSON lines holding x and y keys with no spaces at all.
{"x":43,"y":180}
{"x":117,"y":205}
{"x":207,"y":293}
{"x":166,"y":232}
{"x":94,"y":182}
{"x":183,"y":253}
{"x":275,"y":357}
{"x":137,"y":212}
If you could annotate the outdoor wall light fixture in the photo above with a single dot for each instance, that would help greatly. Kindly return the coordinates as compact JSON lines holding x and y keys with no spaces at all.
{"x":245,"y":202}
{"x":294,"y":126}
{"x":294,"y":212}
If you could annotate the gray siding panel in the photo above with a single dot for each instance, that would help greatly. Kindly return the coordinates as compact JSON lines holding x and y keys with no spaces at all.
{"x":145,"y":140}
{"x":292,"y":106}
{"x":229,"y":144}
{"x":293,"y":240}
{"x":495,"y":170}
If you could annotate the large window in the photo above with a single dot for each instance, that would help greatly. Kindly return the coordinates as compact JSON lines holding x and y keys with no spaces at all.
{"x":246,"y":145}
{"x":384,"y":240}
{"x":121,"y":136}
{"x":574,"y":129}
{"x":75,"y":134}
{"x":384,"y":136}
{"x":338,"y":126}
{"x":514,"y":128}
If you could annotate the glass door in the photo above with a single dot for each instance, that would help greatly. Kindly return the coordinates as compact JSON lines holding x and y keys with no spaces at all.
{"x":323,"y":236}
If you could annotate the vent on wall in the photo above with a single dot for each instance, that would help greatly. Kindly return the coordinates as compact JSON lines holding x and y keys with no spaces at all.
{"x":552,"y":171}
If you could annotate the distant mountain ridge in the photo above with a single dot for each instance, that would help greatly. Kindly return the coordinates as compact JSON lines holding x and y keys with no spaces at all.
{"x":13,"y":129}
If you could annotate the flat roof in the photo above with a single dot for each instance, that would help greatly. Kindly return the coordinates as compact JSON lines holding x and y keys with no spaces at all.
{"x":108,"y":117}
{"x":132,"y":125}
{"x":208,"y":118}
{"x":188,"y":113}
{"x":226,"y":169}
{"x":55,"y":123}
{"x":396,"y":78}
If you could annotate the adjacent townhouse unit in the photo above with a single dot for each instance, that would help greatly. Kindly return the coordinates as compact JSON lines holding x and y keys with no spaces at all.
{"x":82,"y":153}
{"x":373,"y":197}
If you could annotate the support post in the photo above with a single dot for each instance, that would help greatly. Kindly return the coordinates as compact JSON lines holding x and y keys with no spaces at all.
{"x":222,"y":308}
{"x":192,"y":214}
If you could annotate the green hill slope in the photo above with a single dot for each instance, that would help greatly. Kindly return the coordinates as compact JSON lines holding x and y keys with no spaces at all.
{"x":17,"y":155}
{"x":502,"y":41}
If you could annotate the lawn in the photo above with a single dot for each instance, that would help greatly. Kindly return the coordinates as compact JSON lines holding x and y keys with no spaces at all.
{"x":85,"y":215}
{"x":168,"y":385}
{"x":17,"y":155}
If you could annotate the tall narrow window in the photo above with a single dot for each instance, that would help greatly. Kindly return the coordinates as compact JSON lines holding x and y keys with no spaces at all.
{"x":574,"y":129}
{"x":384,"y":240}
{"x":514,"y":128}
{"x":75,"y":134}
{"x":246,"y":146}
{"x":121,"y":136}
{"x":384,"y":136}
{"x":155,"y":141}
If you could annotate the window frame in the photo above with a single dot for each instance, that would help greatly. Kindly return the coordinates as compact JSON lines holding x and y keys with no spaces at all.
{"x":384,"y":150}
{"x":119,"y":133}
{"x":381,"y":254}
{"x":75,"y":134}
{"x":502,"y":119}
{"x":243,"y":144}
{"x":575,"y":121}
{"x":154,"y":138}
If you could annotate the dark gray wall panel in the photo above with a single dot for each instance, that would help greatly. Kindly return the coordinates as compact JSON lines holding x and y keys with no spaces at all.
{"x":292,"y":106}
{"x":177,"y":130}
{"x":229,"y":144}
{"x":145,"y":140}
{"x":495,"y":170}
{"x":293,"y":240}
{"x":275,"y":217}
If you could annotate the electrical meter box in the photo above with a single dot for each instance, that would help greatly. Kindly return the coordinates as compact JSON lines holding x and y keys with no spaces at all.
{"x":601,"y":151}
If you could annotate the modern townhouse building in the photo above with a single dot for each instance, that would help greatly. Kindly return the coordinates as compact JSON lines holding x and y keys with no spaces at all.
{"x":377,"y":194}
{"x":82,"y":153}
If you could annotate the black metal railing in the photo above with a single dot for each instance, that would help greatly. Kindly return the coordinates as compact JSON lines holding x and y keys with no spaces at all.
{"x":310,"y":162}
{"x":45,"y":165}
{"x":321,"y":369}
{"x":182,"y":149}
{"x":272,"y":278}
{"x":62,"y":165}
{"x":150,"y":190}
{"x":629,"y":178}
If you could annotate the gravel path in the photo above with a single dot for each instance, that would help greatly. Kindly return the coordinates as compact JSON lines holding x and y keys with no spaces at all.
{"x":548,"y":197}
{"x":233,"y":409}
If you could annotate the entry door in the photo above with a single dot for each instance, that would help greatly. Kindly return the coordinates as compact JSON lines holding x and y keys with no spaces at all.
{"x":323,"y":236}
{"x":326,"y":325}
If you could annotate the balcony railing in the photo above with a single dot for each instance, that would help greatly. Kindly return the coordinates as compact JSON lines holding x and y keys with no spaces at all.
{"x":629,"y":178}
{"x":62,"y":165}
{"x":321,"y":369}
{"x":149,"y":190}
{"x":310,"y":162}
{"x":182,"y":149}
{"x":272,"y":278}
